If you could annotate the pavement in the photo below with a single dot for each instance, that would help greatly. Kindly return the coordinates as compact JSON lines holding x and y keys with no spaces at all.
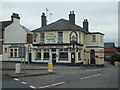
{"x":8,"y":68}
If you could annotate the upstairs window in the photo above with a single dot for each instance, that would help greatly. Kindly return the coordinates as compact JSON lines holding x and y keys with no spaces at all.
{"x":41,"y":37}
{"x":34,"y":37}
{"x":60,"y":37}
{"x":93,"y":38}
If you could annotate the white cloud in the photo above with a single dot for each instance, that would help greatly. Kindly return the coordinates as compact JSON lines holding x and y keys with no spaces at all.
{"x":102,"y":16}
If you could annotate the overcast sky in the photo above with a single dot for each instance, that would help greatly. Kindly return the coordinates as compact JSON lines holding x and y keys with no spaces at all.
{"x":102,"y":16}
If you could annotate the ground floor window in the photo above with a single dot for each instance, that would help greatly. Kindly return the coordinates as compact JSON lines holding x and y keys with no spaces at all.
{"x":38,"y":55}
{"x":14,"y":52}
{"x":46,"y":55}
{"x":5,"y":51}
{"x":11,"y":52}
{"x":63,"y":55}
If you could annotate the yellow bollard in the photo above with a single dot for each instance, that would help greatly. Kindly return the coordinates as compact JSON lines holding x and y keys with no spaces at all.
{"x":50,"y":66}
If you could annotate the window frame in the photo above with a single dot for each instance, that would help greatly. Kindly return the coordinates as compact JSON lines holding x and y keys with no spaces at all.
{"x":93,"y":38}
{"x":11,"y":53}
{"x":38,"y":56}
{"x":15,"y":52}
{"x":44,"y":58}
{"x":63,"y":58}
{"x":60,"y":37}
{"x":42,"y":40}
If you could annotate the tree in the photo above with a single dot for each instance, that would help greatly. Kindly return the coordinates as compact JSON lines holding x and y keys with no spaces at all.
{"x":118,"y":49}
{"x":115,"y":57}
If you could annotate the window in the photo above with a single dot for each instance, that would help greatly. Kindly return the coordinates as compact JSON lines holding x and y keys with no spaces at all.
{"x":34,"y":37}
{"x":46,"y":55}
{"x":65,"y":49}
{"x":15,"y":52}
{"x":38,"y":55}
{"x":18,"y":52}
{"x":5,"y":50}
{"x":63,"y":55}
{"x":61,"y":50}
{"x":41,"y":37}
{"x":11,"y":52}
{"x":60,"y":37}
{"x":93,"y":38}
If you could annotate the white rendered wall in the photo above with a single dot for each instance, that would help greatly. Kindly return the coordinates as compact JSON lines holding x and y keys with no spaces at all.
{"x":14,"y":33}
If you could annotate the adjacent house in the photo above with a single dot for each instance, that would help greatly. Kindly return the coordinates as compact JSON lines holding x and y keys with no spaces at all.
{"x":66,"y":43}
{"x":16,"y":39}
{"x":1,"y":41}
{"x":109,"y":49}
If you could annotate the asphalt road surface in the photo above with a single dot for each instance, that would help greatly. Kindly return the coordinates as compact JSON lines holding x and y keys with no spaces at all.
{"x":75,"y":77}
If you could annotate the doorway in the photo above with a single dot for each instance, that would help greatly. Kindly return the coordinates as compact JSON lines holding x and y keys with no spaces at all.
{"x":54,"y":58}
{"x":30,"y":58}
{"x":92,"y":57}
{"x":72,"y":58}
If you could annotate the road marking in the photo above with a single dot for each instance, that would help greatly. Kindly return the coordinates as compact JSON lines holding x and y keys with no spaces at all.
{"x":32,"y":87}
{"x":93,"y":70}
{"x":52,"y":85}
{"x":96,"y":70}
{"x":16,"y":79}
{"x":90,"y":76}
{"x":69,"y":72}
{"x":23,"y":82}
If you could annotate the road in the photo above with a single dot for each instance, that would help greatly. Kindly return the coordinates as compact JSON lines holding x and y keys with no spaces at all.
{"x":74,"y":77}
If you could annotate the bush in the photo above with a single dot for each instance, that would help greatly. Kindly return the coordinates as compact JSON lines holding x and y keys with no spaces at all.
{"x":115,"y":57}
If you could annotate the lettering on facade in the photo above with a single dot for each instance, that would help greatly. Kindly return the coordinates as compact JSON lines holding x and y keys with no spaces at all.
{"x":51,"y":38}
{"x":40,"y":47}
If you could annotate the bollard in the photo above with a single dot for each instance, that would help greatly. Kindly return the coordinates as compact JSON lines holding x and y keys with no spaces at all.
{"x":50,"y":66}
{"x":18,"y":68}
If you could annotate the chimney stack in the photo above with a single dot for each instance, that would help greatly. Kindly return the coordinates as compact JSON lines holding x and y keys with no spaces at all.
{"x":15,"y":15}
{"x":72,"y":17}
{"x":85,"y":25}
{"x":43,"y":20}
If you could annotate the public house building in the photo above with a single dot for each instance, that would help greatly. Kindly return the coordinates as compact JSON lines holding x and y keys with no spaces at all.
{"x":66,"y":43}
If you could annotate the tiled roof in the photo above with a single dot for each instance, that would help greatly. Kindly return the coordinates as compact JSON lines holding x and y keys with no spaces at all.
{"x":60,"y":25}
{"x":109,"y":45}
{"x":27,"y":30}
{"x":95,"y":33}
{"x":4,"y":24}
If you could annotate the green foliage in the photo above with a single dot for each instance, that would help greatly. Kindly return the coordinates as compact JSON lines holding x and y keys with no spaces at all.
{"x":115,"y":57}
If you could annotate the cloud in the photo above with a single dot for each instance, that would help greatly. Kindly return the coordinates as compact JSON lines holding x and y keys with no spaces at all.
{"x":102,"y":16}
